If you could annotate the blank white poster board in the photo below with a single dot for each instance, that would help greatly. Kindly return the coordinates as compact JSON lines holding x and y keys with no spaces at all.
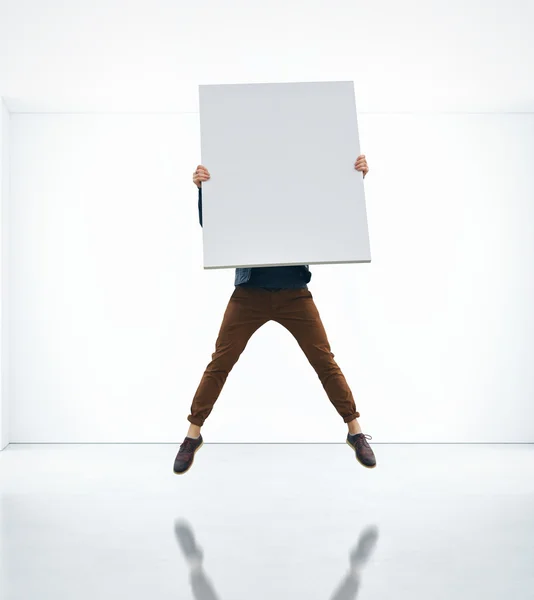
{"x":283,"y":188}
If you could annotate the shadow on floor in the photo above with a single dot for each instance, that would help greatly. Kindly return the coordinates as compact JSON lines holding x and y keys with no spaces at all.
{"x":203,"y":588}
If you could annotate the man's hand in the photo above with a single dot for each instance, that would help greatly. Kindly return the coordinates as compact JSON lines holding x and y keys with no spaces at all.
{"x":201,"y":174}
{"x":361,"y":165}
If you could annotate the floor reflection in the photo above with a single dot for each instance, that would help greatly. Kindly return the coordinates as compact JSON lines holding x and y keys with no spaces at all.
{"x":203,"y":588}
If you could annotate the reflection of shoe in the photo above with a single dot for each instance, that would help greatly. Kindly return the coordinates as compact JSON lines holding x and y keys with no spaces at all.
{"x":364,"y":454}
{"x":186,"y":539}
{"x":186,"y":454}
{"x":361,"y":553}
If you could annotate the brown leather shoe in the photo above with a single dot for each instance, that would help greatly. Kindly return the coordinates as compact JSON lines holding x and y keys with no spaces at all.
{"x":364,"y":453}
{"x":186,"y":454}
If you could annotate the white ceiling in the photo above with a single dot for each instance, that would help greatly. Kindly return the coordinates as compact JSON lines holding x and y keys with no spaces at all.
{"x":140,"y":55}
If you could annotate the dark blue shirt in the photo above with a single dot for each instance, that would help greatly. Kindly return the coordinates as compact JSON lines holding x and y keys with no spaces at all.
{"x":270,"y":277}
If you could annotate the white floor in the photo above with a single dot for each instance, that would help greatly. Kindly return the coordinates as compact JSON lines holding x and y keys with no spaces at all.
{"x":275,"y":522}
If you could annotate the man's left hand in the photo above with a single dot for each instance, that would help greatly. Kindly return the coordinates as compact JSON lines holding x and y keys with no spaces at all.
{"x":361,"y":165}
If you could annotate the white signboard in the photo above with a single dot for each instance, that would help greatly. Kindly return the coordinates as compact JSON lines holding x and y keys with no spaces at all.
{"x":283,"y":188}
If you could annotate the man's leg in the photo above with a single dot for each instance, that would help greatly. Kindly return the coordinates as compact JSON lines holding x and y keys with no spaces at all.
{"x":296,"y":311}
{"x":246,"y":312}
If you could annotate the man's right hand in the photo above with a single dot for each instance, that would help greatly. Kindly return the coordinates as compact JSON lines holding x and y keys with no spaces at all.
{"x":201,"y":174}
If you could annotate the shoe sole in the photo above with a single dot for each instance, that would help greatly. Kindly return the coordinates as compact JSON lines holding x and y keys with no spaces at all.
{"x":363,"y":465}
{"x":184,"y":472}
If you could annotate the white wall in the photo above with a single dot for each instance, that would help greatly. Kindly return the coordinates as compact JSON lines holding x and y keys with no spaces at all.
{"x":148,"y":55}
{"x":114,"y":320}
{"x":4,"y":274}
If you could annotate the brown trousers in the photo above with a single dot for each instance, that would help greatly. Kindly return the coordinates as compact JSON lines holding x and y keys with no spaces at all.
{"x":249,"y":309}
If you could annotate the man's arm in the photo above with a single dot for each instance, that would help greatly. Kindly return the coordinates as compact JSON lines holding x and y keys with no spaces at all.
{"x":200,"y":205}
{"x":201,"y":174}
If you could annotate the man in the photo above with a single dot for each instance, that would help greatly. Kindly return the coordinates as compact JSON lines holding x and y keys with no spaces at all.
{"x":279,"y":294}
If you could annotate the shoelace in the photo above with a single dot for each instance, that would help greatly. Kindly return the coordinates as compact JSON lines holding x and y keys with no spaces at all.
{"x":187,"y":446}
{"x":362,"y":439}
